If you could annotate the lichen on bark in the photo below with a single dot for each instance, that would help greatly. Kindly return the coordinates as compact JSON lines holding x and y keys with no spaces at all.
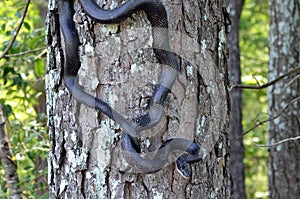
{"x":119,"y":66}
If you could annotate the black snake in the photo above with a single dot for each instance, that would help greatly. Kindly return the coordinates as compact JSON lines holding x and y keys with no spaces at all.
{"x":183,"y":151}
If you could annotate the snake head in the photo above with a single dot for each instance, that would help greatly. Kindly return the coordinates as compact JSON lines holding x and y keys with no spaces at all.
{"x":193,"y":153}
{"x":183,"y":167}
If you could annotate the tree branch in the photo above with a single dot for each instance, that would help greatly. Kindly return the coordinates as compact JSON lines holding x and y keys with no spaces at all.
{"x":264,"y":121}
{"x":17,"y":30}
{"x":259,"y":87}
{"x":25,"y":52}
{"x":277,"y":143}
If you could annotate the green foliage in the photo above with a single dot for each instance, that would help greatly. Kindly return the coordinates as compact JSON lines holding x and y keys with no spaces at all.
{"x":21,"y":91}
{"x":254,"y":62}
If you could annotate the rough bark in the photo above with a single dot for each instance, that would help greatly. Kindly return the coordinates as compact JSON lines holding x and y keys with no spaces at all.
{"x":119,"y":67}
{"x":8,"y":164}
{"x":235,"y":122}
{"x":284,"y":159}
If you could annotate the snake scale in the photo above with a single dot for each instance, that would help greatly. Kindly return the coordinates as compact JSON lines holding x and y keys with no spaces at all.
{"x":183,"y":151}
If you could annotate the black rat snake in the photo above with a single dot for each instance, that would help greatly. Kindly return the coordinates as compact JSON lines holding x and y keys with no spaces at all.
{"x":183,"y":151}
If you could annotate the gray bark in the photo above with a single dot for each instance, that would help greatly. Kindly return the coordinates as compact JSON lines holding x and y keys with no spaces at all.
{"x":119,"y":67}
{"x":284,"y":159}
{"x":235,"y":123}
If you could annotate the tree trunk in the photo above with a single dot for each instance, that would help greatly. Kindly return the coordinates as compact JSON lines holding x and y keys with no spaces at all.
{"x":118,"y":66}
{"x":235,"y":123}
{"x":284,"y":159}
{"x":8,"y":164}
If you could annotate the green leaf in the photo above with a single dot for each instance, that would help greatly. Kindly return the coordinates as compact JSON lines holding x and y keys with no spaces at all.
{"x":18,"y":14}
{"x":39,"y":67}
{"x":28,"y":167}
{"x":8,"y":33}
{"x":18,"y":81}
{"x":27,"y":26}
{"x":3,"y":26}
{"x":8,"y":70}
{"x":31,"y":155}
{"x":7,"y":109}
{"x":3,"y":186}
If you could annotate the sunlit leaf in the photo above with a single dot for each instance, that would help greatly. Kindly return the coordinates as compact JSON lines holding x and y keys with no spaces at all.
{"x":39,"y":67}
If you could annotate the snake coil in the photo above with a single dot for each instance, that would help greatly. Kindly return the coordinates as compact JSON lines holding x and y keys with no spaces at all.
{"x":184,"y":152}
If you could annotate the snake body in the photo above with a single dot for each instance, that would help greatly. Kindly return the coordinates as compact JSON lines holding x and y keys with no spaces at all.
{"x":184,"y":151}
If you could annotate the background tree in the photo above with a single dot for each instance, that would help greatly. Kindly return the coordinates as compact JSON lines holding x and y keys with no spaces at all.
{"x":8,"y":164}
{"x":283,"y":100}
{"x":117,"y":65}
{"x":235,"y":125}
{"x":22,"y":58}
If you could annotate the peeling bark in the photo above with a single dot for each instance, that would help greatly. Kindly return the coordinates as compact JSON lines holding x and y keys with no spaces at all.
{"x":118,"y":66}
{"x":284,"y":159}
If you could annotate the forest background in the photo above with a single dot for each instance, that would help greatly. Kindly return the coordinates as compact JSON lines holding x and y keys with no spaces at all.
{"x":22,"y":94}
